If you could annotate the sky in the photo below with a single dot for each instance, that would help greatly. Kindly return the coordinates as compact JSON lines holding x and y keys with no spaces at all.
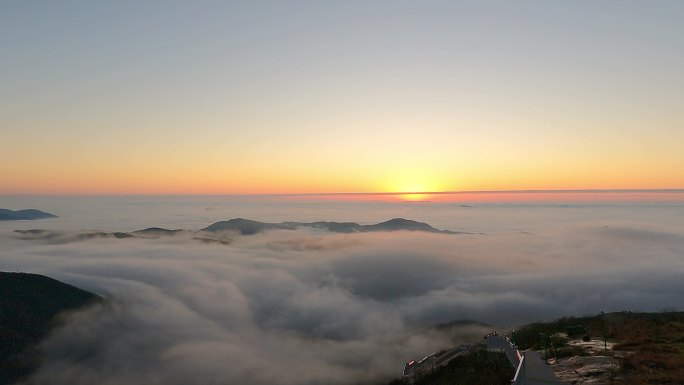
{"x":261,"y":97}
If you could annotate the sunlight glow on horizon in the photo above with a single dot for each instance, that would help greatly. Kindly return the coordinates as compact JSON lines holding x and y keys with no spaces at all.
{"x":457,"y":197}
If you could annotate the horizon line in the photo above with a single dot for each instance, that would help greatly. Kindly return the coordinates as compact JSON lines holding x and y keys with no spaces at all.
{"x":461,"y":192}
{"x":456,"y":192}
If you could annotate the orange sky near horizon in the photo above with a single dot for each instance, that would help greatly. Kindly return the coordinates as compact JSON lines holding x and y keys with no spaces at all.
{"x":126,"y":177}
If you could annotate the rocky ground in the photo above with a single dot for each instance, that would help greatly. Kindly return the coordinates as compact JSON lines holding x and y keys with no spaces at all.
{"x":641,"y":348}
{"x":599,"y":366}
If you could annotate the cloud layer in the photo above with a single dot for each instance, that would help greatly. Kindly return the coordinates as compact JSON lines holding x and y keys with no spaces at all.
{"x":305,"y":307}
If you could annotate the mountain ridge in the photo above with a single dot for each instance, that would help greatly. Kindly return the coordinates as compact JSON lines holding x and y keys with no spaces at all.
{"x":24,"y":215}
{"x":220,"y":232}
{"x":251,"y":227}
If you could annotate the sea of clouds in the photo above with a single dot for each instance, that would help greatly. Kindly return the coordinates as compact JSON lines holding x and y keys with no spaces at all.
{"x":309,"y":307}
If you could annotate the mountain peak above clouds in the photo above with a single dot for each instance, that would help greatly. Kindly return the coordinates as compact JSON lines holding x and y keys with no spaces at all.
{"x":250,"y":227}
{"x":28,"y":214}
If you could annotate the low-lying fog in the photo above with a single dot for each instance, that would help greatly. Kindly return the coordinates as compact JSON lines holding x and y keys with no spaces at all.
{"x":308,"y":307}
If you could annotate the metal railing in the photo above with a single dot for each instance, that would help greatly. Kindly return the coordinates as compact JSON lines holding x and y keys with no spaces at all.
{"x":515,"y":357}
{"x":519,"y":378}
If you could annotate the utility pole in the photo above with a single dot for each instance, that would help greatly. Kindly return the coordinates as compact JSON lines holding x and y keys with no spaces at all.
{"x":605,"y":344}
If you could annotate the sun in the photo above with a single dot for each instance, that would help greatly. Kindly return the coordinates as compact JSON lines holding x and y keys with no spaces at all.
{"x":415,"y":197}
{"x":413,"y":186}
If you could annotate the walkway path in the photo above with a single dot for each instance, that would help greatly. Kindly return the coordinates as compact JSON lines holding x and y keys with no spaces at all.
{"x":537,"y":372}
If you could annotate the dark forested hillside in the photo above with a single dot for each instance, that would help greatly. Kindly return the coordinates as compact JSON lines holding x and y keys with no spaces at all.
{"x":29,"y":304}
